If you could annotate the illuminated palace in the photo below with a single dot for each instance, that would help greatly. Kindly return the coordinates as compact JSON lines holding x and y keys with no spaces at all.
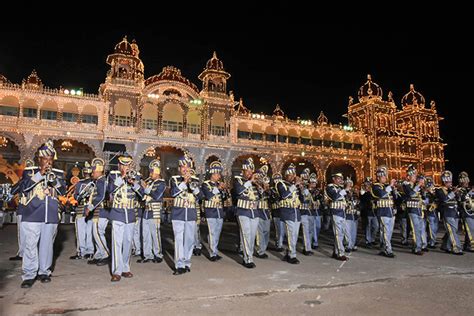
{"x":164,"y":114}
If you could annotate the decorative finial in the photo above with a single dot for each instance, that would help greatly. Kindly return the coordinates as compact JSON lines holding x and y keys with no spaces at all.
{"x":412,"y":87}
{"x":390,"y":96}
{"x":214,"y":55}
{"x":125,"y":38}
{"x":351,"y":100}
{"x":433,"y":105}
{"x":369,"y":77}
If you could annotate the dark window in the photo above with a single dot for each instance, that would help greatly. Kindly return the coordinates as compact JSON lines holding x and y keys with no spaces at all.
{"x":317,"y":142}
{"x":257,"y":136}
{"x":358,"y":146}
{"x":69,"y":117}
{"x":243,"y":134}
{"x":282,"y":138}
{"x":90,"y":119}
{"x":8,"y":110}
{"x":27,"y":112}
{"x":49,"y":115}
{"x":270,"y":138}
{"x":306,"y":141}
{"x":347,"y":145}
{"x":293,"y":140}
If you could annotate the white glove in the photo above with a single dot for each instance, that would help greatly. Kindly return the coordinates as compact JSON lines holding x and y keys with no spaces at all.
{"x":292,"y":188}
{"x":343,"y":192}
{"x":196,"y":191}
{"x":37,"y":177}
{"x":147,"y":190}
{"x":118,"y":181}
{"x":306,"y":192}
{"x":248,"y":184}
{"x":183,"y":186}
{"x":451,"y":195}
{"x":388,"y":189}
{"x":215,"y":190}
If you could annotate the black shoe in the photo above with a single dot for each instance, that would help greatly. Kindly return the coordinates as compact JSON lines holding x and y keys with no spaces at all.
{"x":368,"y":245}
{"x":144,"y":260}
{"x":187,"y":269}
{"x":293,"y":261}
{"x":93,"y":261}
{"x":27,"y":283}
{"x":197,"y":252}
{"x":458,"y":253}
{"x":347,"y":250}
{"x":280,"y":249}
{"x":308,"y":253}
{"x":88,"y":256}
{"x":76,"y":257}
{"x":16,"y":258}
{"x":404,"y":243}
{"x":249,"y":265}
{"x":157,"y":260}
{"x":285,"y":258}
{"x":425,"y":250}
{"x":341,"y":258}
{"x":355,"y":248}
{"x":179,"y":271}
{"x":103,"y":262}
{"x":314,"y":247}
{"x":418,"y":253}
{"x":213,"y":258}
{"x":389,"y":255}
{"x":44,"y":278}
{"x":431,"y":247}
{"x":262,"y":256}
{"x":218,"y":257}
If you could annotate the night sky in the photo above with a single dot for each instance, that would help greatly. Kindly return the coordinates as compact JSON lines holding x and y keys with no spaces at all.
{"x":306,"y":60}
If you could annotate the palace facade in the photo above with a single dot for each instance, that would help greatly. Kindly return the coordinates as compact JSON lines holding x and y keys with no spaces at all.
{"x":164,"y":114}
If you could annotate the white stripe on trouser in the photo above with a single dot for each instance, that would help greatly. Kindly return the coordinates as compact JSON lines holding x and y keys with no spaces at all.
{"x":386,"y":230}
{"x":280,"y":231}
{"x":308,"y":228}
{"x":415,"y":222}
{"x":347,"y":233}
{"x":21,"y":236}
{"x":183,"y":242}
{"x":338,"y":230}
{"x":433,"y":229}
{"x":469,"y":237}
{"x":263,"y":233}
{"x":403,"y":228}
{"x":351,"y":233}
{"x":122,"y":235}
{"x":151,"y":239}
{"x":424,"y":241}
{"x":84,"y":236}
{"x":451,"y":238}
{"x":215,"y":229}
{"x":98,"y":229}
{"x":37,"y":259}
{"x":371,"y":229}
{"x":317,"y":229}
{"x":293,"y":230}
{"x":248,"y":232}
{"x":137,"y":232}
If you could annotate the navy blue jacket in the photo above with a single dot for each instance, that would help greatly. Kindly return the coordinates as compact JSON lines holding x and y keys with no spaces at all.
{"x":380,"y":193}
{"x":124,"y":198}
{"x":40,"y":206}
{"x":334,"y":193}
{"x":99,"y":196}
{"x":289,"y":201}
{"x":154,"y":193}
{"x":447,"y":202}
{"x":185,"y":200}
{"x":209,"y":196}
{"x":249,"y":194}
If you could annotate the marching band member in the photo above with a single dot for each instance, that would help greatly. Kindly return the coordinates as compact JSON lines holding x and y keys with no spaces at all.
{"x":247,"y":203}
{"x":369,"y":213}
{"x":315,"y":209}
{"x":214,"y":193}
{"x":307,"y":220}
{"x":276,"y":213}
{"x":153,"y":195}
{"x":82,"y":193}
{"x":336,"y":195}
{"x":384,"y":193}
{"x":100,"y":217}
{"x":465,"y":199}
{"x":412,"y":189}
{"x":351,"y":219}
{"x":431,"y":213}
{"x":263,"y":213}
{"x":124,"y":189}
{"x":446,"y":196}
{"x":185,"y":191}
{"x":42,"y":185}
{"x":290,"y":212}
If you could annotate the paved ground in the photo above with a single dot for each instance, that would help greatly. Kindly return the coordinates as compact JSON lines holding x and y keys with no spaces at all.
{"x":434,"y":284}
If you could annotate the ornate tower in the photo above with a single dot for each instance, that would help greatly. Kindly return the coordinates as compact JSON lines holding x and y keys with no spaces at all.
{"x":123,"y":84}
{"x":214,"y":78}
{"x":376,"y":118}
{"x":421,"y":142}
